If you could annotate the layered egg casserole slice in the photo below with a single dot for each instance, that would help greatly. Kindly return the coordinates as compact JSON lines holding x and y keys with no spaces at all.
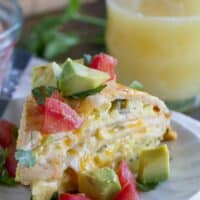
{"x":115,"y":123}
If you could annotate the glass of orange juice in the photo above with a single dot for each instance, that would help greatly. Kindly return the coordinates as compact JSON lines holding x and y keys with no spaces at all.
{"x":158,"y":43}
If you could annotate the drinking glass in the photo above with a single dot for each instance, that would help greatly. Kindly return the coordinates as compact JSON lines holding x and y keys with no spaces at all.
{"x":157,"y":42}
{"x":10,"y":26}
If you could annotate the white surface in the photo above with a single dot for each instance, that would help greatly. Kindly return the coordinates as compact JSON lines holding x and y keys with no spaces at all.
{"x":184,"y":183}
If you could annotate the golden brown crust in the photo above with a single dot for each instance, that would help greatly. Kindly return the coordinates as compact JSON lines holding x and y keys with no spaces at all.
{"x":31,"y":121}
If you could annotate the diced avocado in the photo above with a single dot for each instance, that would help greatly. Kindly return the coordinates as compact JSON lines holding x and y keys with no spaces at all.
{"x":101,"y":184}
{"x":76,"y":78}
{"x":46,"y":75}
{"x":154,"y":165}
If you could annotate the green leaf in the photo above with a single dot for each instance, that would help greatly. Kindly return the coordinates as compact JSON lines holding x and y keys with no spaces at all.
{"x":87,"y":59}
{"x":73,"y":8}
{"x":54,"y":196}
{"x":146,"y":187}
{"x":60,"y":44}
{"x":136,"y":85}
{"x":88,"y":92}
{"x":25,"y":158}
{"x":46,"y":39}
{"x":6,"y":179}
{"x":3,"y":156}
{"x":90,"y":20}
{"x":39,"y":41}
{"x":40,"y":93}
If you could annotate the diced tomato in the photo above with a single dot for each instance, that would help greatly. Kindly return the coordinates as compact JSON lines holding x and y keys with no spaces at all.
{"x":41,"y":108}
{"x":6,"y":133}
{"x":66,"y":196}
{"x":57,"y":95}
{"x":128,"y":192}
{"x":105,"y":63}
{"x":125,"y":175}
{"x":128,"y":183}
{"x":60,"y":117}
{"x":11,"y":163}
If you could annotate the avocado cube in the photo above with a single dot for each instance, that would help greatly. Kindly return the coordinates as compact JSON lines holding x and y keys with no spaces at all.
{"x":46,"y":75}
{"x":101,"y":184}
{"x":154,"y":165}
{"x":76,"y":78}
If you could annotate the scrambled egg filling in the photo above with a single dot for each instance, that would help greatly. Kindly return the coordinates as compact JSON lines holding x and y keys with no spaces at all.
{"x":109,"y":142}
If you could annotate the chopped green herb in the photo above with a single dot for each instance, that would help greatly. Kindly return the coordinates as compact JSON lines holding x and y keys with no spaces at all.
{"x":54,"y":196}
{"x":3,"y":156}
{"x":40,"y":93}
{"x":146,"y":187}
{"x":101,"y":148}
{"x":87,"y":59}
{"x":5,"y":178}
{"x":88,"y":92}
{"x":25,"y":158}
{"x":119,"y":104}
{"x":136,"y":85}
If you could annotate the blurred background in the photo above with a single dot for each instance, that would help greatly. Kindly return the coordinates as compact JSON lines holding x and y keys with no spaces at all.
{"x":61,"y":36}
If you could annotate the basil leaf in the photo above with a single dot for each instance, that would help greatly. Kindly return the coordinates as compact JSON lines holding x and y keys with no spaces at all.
{"x":60,"y":44}
{"x":43,"y":39}
{"x":25,"y":158}
{"x":73,"y":8}
{"x":54,"y":196}
{"x":136,"y":85}
{"x":5,"y":178}
{"x":146,"y":187}
{"x":87,"y":59}
{"x":88,"y":92}
{"x":40,"y":93}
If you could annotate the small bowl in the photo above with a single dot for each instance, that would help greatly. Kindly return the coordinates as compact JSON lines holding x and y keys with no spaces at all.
{"x":11,"y":19}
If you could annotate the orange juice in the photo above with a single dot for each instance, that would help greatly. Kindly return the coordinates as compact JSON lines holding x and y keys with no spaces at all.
{"x":158,"y":43}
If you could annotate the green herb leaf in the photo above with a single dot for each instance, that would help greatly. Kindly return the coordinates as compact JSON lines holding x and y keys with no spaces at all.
{"x":5,"y":178}
{"x":25,"y":158}
{"x":54,"y":196}
{"x":73,"y":7}
{"x":3,"y":156}
{"x":146,"y":187}
{"x":40,"y":93}
{"x":87,"y":59}
{"x":60,"y":44}
{"x":90,"y":20}
{"x":88,"y":92}
{"x":136,"y":85}
{"x":47,"y":40}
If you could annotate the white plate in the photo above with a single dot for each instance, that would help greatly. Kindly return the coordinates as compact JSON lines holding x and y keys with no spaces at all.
{"x":184,"y":182}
